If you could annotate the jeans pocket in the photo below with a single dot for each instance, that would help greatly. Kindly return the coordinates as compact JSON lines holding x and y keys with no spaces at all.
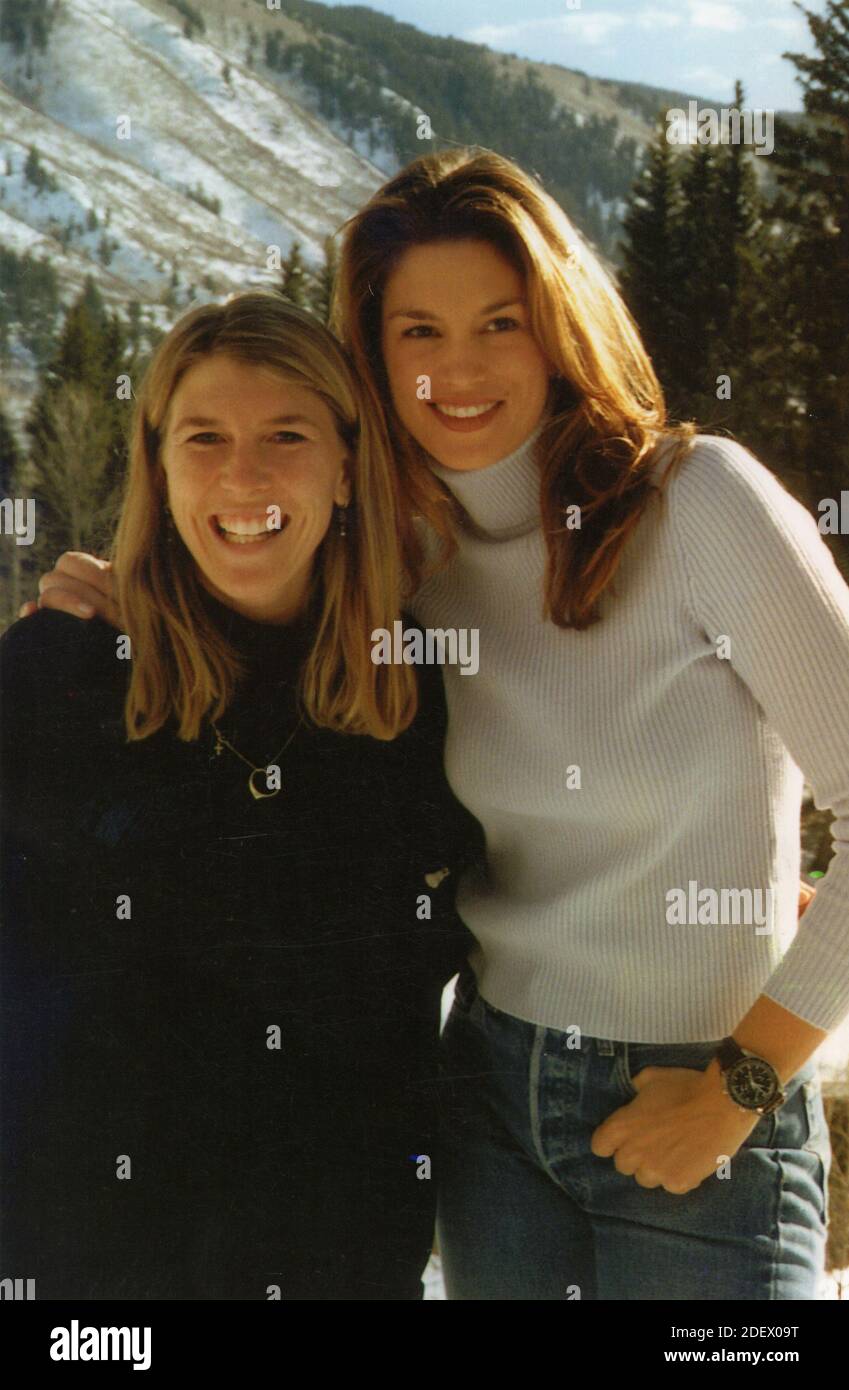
{"x":695,"y":1056}
{"x":818,"y":1141}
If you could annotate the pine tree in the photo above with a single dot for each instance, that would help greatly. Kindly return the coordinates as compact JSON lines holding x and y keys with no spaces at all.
{"x":750,"y":309}
{"x":10,"y":557}
{"x":77,"y":426}
{"x":766,"y":409}
{"x":813,"y":208}
{"x":29,"y":301}
{"x":718,"y":222}
{"x":79,"y":352}
{"x":699,"y":269}
{"x":323,"y":296}
{"x":737,"y":214}
{"x":294,"y":281}
{"x":33,"y":172}
{"x":652,"y":273}
{"x":75,"y":494}
{"x":698,"y":256}
{"x":134,"y":325}
{"x":9,"y":456}
{"x":25,"y":24}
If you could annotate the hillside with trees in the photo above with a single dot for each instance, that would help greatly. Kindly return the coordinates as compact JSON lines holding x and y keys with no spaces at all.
{"x":741,"y":291}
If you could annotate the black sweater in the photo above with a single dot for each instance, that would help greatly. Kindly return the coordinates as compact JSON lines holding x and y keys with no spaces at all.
{"x":238,"y":996}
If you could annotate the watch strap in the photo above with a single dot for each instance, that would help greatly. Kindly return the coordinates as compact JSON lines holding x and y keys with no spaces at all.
{"x":729,"y":1053}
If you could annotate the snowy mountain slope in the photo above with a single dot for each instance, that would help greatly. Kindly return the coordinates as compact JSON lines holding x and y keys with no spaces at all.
{"x":276,"y":170}
{"x":263,"y":169}
{"x":150,"y":228}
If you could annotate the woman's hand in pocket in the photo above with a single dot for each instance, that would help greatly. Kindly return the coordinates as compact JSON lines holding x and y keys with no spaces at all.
{"x":677,"y":1131}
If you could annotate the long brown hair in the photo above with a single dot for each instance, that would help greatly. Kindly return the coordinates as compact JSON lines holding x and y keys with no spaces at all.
{"x":183,"y":668}
{"x":608,"y":410}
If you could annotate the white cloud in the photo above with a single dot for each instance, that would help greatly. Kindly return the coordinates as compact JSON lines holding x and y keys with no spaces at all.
{"x":495,"y":34}
{"x":714,"y":14}
{"x":574,"y":24}
{"x":585,"y":27}
{"x":653,"y":18}
{"x":592,"y":28}
{"x":794,"y":28}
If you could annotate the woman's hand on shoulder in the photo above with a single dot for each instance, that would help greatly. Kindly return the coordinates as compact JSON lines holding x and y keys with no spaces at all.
{"x":80,"y":585}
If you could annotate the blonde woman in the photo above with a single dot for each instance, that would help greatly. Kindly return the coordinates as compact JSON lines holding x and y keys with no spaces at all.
{"x":664,"y":644}
{"x":222,"y":956}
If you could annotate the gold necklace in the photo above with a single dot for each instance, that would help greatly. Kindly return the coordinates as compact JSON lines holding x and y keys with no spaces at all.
{"x":221,"y":743}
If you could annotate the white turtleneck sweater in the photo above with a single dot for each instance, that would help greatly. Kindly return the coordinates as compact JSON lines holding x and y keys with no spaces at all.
{"x":719,"y":669}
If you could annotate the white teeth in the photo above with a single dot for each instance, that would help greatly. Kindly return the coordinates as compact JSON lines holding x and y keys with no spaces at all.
{"x":240,"y":526}
{"x":465,"y":412}
{"x":240,"y":530}
{"x":246,"y":540}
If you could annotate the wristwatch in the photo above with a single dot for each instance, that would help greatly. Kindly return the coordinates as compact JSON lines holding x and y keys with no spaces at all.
{"x":748,"y":1080}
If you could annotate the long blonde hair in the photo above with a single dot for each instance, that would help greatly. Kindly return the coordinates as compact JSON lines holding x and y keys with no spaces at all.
{"x":608,"y":410}
{"x":182,"y":667}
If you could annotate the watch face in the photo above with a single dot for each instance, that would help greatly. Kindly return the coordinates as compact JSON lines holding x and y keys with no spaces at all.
{"x":752,"y":1083}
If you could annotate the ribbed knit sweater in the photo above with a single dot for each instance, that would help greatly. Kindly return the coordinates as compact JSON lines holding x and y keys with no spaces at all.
{"x":719,"y":669}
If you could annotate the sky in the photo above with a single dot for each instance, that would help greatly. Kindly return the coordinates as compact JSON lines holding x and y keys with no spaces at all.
{"x":697,"y":46}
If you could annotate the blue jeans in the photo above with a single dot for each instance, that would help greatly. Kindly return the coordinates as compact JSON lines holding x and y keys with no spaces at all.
{"x":527,"y":1211}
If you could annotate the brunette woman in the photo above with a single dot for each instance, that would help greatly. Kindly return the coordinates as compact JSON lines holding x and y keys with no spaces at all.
{"x":664,"y":644}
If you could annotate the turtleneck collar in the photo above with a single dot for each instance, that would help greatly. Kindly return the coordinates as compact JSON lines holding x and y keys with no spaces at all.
{"x":502,"y":500}
{"x":265,"y":705}
{"x":271,"y":649}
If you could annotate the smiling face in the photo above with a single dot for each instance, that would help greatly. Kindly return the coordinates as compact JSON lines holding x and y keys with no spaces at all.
{"x":455,"y":311}
{"x":240,"y":442}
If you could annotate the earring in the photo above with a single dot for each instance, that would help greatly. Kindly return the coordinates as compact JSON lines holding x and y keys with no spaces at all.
{"x":342,"y":521}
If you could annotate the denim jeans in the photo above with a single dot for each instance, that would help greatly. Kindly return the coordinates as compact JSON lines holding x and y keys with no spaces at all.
{"x":527,"y":1211}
